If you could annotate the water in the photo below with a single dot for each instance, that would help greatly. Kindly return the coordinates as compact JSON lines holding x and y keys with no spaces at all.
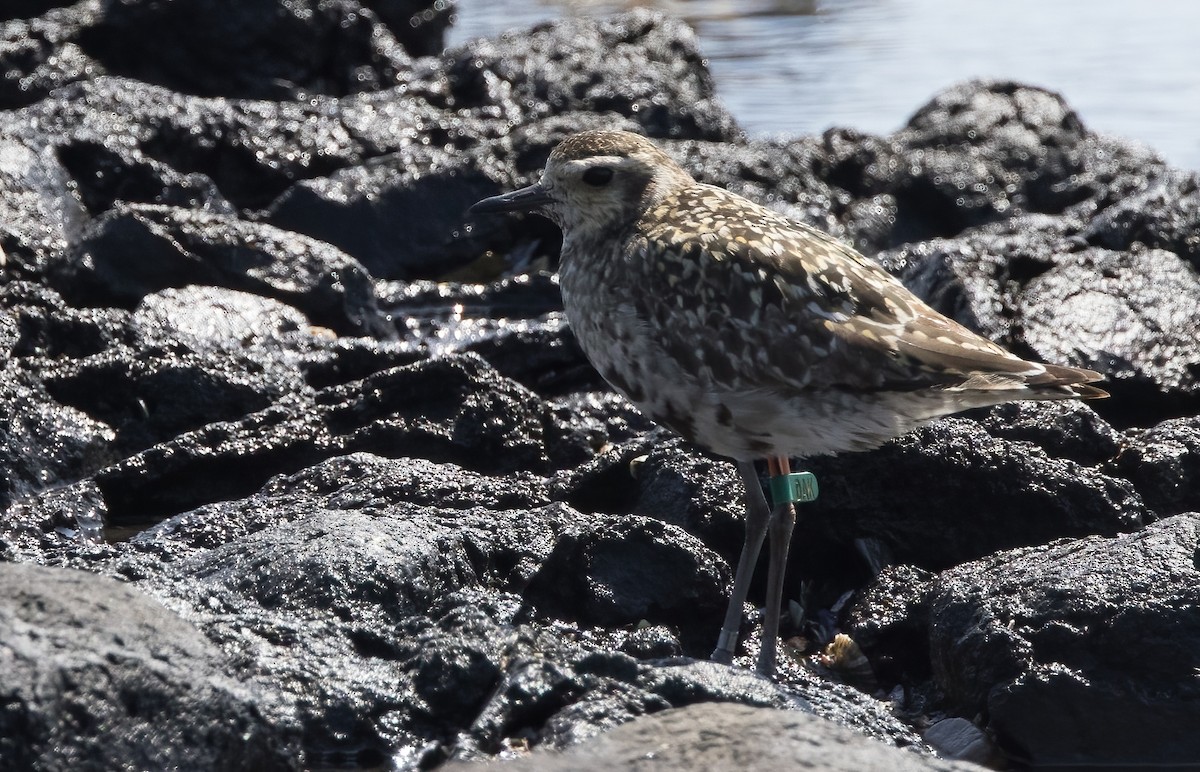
{"x":800,"y":66}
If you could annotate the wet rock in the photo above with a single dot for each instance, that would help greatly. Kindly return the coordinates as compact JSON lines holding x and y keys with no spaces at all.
{"x":252,"y":150}
{"x":979,"y":150}
{"x":725,"y":736}
{"x":392,"y":627}
{"x":381,"y":622}
{"x":28,"y":8}
{"x":419,"y":25}
{"x":355,"y":481}
{"x":1166,"y":215}
{"x":260,"y":49}
{"x":977,"y":277}
{"x":401,"y":216}
{"x":409,"y":511}
{"x":1132,"y":314}
{"x":657,"y":475}
{"x":911,"y":492}
{"x":652,"y":642}
{"x":1163,"y":462}
{"x":43,"y":443}
{"x":39,"y":49}
{"x":136,"y":250}
{"x":958,"y":738}
{"x":99,"y":676}
{"x":194,"y":356}
{"x":643,"y":66}
{"x":402,"y":609}
{"x":41,"y":214}
{"x":1104,"y":170}
{"x":583,"y":691}
{"x":107,"y":173}
{"x":604,"y":576}
{"x":1080,"y":651}
{"x":890,"y":622}
{"x":42,"y":325}
{"x":215,"y":319}
{"x":452,"y":409}
{"x":1009,"y":487}
{"x":1030,"y":284}
{"x":59,"y":517}
{"x":516,"y":324}
{"x":1070,"y":430}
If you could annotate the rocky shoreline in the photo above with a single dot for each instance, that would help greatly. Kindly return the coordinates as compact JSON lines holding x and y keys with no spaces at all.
{"x":303,"y":468}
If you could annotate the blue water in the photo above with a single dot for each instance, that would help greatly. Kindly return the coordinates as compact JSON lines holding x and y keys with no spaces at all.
{"x":800,"y":66}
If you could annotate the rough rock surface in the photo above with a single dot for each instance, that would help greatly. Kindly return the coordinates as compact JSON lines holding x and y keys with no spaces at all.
{"x":718,"y":736}
{"x":1045,"y":638}
{"x":348,"y":494}
{"x":98,"y":676}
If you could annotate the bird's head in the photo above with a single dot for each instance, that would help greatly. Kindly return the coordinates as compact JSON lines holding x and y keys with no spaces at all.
{"x":595,"y":181}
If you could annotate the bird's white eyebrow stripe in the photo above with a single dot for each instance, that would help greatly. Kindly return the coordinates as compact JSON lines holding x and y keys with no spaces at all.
{"x":605,"y":160}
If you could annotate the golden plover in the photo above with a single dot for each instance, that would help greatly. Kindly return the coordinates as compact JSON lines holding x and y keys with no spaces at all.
{"x":751,"y":334}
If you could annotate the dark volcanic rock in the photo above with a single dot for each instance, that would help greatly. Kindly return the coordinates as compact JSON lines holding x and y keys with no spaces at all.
{"x":260,"y":49}
{"x":43,"y":443}
{"x":452,"y":409}
{"x":723,"y":736}
{"x":1071,"y":430}
{"x":98,"y":676}
{"x":419,"y":25}
{"x":195,"y":356}
{"x":639,"y":65}
{"x":391,"y":626}
{"x":1164,"y":464}
{"x":136,"y":250}
{"x":890,"y":622}
{"x":40,"y":213}
{"x":1164,"y":216}
{"x":1133,"y":315}
{"x":605,"y":577}
{"x":982,"y":149}
{"x":39,"y":53}
{"x":1032,"y":285}
{"x":516,"y":324}
{"x":977,"y":278}
{"x":252,"y":150}
{"x":404,"y":215}
{"x":16,"y":9}
{"x":43,"y":325}
{"x":401,"y":215}
{"x":109,"y":173}
{"x":950,"y":492}
{"x":1080,"y":652}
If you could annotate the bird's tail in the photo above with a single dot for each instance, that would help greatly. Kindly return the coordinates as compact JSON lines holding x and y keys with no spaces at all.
{"x":1062,"y":381}
{"x":1038,"y":382}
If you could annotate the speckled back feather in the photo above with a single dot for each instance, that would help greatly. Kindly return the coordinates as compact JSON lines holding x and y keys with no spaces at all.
{"x":771,"y":297}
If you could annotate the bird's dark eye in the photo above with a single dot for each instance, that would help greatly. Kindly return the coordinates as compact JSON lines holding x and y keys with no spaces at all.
{"x":598,"y":176}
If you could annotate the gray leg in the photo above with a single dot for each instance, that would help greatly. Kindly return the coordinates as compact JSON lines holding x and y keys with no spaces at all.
{"x":783,"y":519}
{"x":758,"y":514}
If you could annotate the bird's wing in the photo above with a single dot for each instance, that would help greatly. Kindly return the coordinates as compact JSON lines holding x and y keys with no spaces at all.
{"x":764,"y":302}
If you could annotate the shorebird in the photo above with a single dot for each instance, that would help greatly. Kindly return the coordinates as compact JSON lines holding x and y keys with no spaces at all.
{"x":753,"y":335}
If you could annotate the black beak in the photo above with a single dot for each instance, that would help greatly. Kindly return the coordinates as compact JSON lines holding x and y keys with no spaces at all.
{"x":523,"y":200}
